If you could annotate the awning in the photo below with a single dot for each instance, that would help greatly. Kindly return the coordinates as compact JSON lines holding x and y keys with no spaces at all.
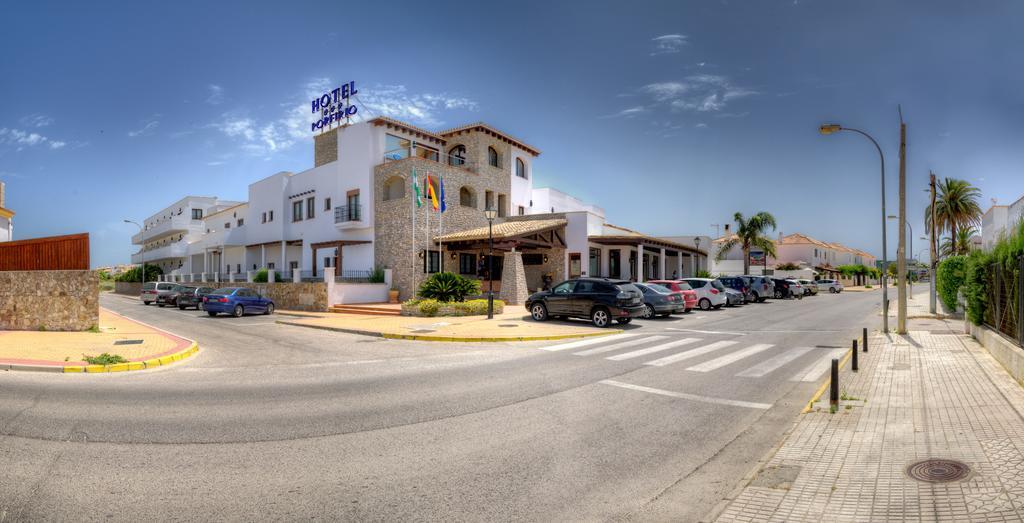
{"x":516,"y":233}
{"x":615,"y":235}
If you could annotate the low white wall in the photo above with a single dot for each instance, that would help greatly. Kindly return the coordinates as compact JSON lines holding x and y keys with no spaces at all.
{"x":349,"y":293}
{"x":1007,"y":353}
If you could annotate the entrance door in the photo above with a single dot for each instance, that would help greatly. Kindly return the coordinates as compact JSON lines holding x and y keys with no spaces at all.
{"x":575,"y":265}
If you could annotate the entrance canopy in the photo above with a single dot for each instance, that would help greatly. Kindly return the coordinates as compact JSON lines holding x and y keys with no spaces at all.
{"x":334,"y":244}
{"x":518,"y":234}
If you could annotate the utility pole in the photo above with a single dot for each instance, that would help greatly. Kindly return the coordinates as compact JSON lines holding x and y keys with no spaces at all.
{"x":901,"y":252}
{"x":933,"y":247}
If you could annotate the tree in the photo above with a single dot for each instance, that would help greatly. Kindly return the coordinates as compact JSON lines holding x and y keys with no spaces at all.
{"x":956,"y":208}
{"x":750,"y":233}
{"x":959,"y":244}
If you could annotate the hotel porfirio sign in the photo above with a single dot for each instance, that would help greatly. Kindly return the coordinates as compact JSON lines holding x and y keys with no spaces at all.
{"x":334,"y":106}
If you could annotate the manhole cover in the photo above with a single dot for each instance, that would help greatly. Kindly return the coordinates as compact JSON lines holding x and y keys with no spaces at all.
{"x":938,"y":470}
{"x":128,"y":342}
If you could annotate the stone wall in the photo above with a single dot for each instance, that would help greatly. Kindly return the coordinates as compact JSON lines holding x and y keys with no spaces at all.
{"x":554,"y":266}
{"x":305,"y":296}
{"x":50,"y":300}
{"x":513,"y":279}
{"x":393,"y":245}
{"x":128,"y":288}
{"x":325,"y":147}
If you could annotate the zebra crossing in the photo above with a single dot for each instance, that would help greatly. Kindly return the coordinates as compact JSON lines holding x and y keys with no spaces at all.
{"x":723,"y":354}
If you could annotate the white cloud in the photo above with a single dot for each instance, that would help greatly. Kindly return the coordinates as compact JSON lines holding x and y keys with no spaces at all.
{"x":423,"y":109}
{"x":215,"y":163}
{"x":20,"y":139}
{"x":668,"y":44}
{"x":145,"y":130}
{"x":36,"y":120}
{"x":696,"y":93}
{"x":701,"y":125}
{"x":216,"y":94}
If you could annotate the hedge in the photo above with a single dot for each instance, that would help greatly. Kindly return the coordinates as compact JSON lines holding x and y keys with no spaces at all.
{"x":430,"y":307}
{"x":949,"y":278}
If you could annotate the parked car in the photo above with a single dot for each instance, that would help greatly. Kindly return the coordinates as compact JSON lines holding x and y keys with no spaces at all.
{"x":236,"y":301}
{"x":734,"y":297}
{"x":739,"y":284}
{"x":710,"y":293}
{"x":600,"y":300}
{"x":660,"y":300}
{"x":193,"y":298}
{"x":153,"y":290}
{"x":833,"y":286}
{"x":810,"y":288}
{"x":680,"y":286}
{"x":798,"y":290}
{"x":781,"y":290}
{"x":761,"y":287}
{"x":171,"y":298}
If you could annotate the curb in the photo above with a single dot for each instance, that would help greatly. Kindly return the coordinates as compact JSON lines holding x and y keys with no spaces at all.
{"x":419,"y":337}
{"x":116,"y":367}
{"x":824,"y":386}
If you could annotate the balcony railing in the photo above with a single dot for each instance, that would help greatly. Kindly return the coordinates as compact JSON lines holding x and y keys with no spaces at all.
{"x":427,"y":154}
{"x":348,"y":213}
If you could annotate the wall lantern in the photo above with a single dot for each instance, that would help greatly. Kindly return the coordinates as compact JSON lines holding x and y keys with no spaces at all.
{"x":545,"y":258}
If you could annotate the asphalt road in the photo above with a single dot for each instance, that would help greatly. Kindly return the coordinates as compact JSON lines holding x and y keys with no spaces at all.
{"x":272,"y":421}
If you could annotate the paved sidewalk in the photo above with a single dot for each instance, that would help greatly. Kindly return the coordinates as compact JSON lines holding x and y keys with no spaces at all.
{"x":512,"y":325}
{"x":63,"y":351}
{"x":928,"y":395}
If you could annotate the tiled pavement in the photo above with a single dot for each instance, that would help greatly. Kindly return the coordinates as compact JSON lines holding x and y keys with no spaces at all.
{"x":927,"y":395}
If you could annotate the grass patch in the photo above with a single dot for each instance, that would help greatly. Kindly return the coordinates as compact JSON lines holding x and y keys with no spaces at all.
{"x":831,"y":409}
{"x":94,"y":329}
{"x":846,"y":397}
{"x":104,"y":359}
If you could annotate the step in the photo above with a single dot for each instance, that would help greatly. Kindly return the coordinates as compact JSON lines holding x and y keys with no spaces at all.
{"x":366,"y":309}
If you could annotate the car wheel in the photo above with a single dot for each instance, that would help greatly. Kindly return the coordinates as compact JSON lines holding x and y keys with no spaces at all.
{"x":599,"y":317}
{"x":716,"y":307}
{"x":623,"y":321}
{"x":778,"y":295}
{"x":539,"y":312}
{"x":761,"y":300}
{"x":687,"y":310}
{"x":181,"y":307}
{"x":270,"y":309}
{"x":146,"y":302}
{"x":211,"y":313}
{"x":649,"y":311}
{"x":705,"y":304}
{"x":238,"y":311}
{"x":833,"y":290}
{"x":161,"y":305}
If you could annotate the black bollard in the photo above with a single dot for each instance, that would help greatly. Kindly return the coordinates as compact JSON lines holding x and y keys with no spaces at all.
{"x":855,"y":368}
{"x":865,"y":339}
{"x":833,"y":397}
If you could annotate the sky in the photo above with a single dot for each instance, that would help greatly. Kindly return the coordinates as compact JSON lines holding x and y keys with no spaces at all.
{"x":671,"y":115}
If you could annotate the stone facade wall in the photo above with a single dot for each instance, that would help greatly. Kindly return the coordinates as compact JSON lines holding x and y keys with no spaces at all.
{"x":513,"y":279}
{"x":554,"y":266}
{"x":128,"y":288}
{"x":325,"y":147}
{"x":393,"y":245}
{"x":50,"y":300}
{"x":306,"y":296}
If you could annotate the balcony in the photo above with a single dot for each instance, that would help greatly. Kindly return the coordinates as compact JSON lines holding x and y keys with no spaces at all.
{"x":425,"y":153}
{"x":349,"y":217}
{"x":174,"y":250}
{"x":177,"y":224}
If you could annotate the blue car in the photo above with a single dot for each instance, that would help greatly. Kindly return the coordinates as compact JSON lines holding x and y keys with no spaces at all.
{"x":236,"y":301}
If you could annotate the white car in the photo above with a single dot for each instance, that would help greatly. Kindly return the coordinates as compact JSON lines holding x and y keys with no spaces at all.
{"x":710,"y":293}
{"x":797,"y":288}
{"x":833,"y":286}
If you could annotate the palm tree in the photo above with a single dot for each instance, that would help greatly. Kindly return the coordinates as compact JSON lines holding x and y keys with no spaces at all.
{"x":750,"y":233}
{"x":956,"y":207}
{"x":960,"y":244}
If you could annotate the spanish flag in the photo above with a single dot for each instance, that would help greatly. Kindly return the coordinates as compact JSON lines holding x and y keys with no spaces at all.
{"x":431,"y":193}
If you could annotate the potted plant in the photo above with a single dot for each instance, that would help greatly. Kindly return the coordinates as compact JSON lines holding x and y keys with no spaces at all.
{"x":393,"y":295}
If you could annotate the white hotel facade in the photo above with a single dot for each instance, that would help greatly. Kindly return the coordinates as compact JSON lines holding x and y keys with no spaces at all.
{"x":353,"y":211}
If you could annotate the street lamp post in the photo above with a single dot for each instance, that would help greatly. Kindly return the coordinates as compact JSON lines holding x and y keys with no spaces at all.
{"x":911,"y":240}
{"x":835,"y":128}
{"x":696,"y":256}
{"x":490,"y":214}
{"x":142,"y":253}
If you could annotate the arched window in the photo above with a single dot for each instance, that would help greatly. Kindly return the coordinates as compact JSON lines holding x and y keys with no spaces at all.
{"x":520,"y":168}
{"x":457,"y":155}
{"x":394,"y":188}
{"x":492,"y":157}
{"x":467,"y":198}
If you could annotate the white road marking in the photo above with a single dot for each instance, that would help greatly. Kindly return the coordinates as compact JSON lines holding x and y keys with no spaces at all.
{"x":589,"y":341}
{"x":720,"y":362}
{"x":618,"y":346}
{"x":668,"y":360}
{"x":774,"y":363}
{"x":650,"y":350}
{"x":706,"y":332}
{"x":685,"y":396}
{"x":814,"y":371}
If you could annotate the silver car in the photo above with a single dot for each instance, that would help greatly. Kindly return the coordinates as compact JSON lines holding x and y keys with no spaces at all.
{"x":833,"y":286}
{"x":152,"y":290}
{"x":810,"y":288}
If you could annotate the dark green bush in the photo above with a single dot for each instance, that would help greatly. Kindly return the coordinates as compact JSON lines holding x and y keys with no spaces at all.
{"x":262,"y":276}
{"x":448,"y":287}
{"x":977,"y":285}
{"x":152,"y":272}
{"x":377,"y":275}
{"x":104,"y":359}
{"x":949,"y":277}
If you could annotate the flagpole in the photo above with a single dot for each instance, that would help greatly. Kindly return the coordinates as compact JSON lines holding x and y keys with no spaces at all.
{"x":440,"y":221}
{"x":412,"y":200}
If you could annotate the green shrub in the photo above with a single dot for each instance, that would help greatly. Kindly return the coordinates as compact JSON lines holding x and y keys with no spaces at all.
{"x":704,"y":274}
{"x":262,"y":275}
{"x":448,"y":287}
{"x":132,"y":275}
{"x":377,"y":275}
{"x":977,"y":285}
{"x":949,"y":278}
{"x":104,"y":359}
{"x":788,"y":266}
{"x":429,"y":307}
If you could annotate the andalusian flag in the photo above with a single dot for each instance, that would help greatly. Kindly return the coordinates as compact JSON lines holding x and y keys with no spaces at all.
{"x":441,"y":182}
{"x":431,"y":193}
{"x":416,"y":188}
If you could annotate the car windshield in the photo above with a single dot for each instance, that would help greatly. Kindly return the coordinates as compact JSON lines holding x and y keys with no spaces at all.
{"x":225,"y":291}
{"x":659,"y":288}
{"x":683,"y":286}
{"x":718,"y":285}
{"x":149,"y":286}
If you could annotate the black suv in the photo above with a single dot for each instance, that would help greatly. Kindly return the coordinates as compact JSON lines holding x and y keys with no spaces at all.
{"x":782,"y":289}
{"x":600,"y":300}
{"x":192,"y":297}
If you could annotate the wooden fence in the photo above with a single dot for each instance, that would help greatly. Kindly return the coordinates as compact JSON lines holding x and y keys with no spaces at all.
{"x":53,"y":253}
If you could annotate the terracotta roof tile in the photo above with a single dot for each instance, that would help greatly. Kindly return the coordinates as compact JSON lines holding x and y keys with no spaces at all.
{"x":503,"y":230}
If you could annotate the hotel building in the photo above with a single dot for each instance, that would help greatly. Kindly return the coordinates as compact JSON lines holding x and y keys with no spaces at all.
{"x":355,"y":211}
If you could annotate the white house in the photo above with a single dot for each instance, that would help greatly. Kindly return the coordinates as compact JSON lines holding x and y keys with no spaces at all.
{"x":6,"y":219}
{"x":999,"y":220}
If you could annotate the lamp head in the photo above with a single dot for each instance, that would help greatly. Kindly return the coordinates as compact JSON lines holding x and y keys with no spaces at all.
{"x":830,"y":128}
{"x":490,"y":214}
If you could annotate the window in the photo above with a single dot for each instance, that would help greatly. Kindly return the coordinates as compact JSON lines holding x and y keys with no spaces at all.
{"x":264,"y":217}
{"x":522,"y":210}
{"x":502,"y":206}
{"x":310,"y":208}
{"x":327,"y":261}
{"x":238,"y":267}
{"x":293,"y":265}
{"x":197,"y":214}
{"x":467,"y":198}
{"x":520,"y":168}
{"x":297,"y":211}
{"x":467,"y":263}
{"x":533,"y":258}
{"x":432,"y":261}
{"x":563,"y":288}
{"x":595,"y":262}
{"x":394,"y":188}
{"x":488,"y":200}
{"x":457,"y":155}
{"x":327,"y":204}
{"x":270,"y":265}
{"x":240,"y":222}
{"x":353,"y":207}
{"x":227,"y":225}
{"x":492,"y":157}
{"x":270,"y":216}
